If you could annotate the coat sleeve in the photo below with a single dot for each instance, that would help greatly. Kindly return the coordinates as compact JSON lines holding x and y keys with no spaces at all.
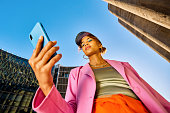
{"x":53,"y":102}
{"x":161,"y":99}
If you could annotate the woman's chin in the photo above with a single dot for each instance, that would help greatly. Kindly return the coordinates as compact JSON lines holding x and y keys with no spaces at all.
{"x":89,"y":53}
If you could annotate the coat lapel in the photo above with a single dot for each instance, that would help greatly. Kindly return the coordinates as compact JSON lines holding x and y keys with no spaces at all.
{"x":86,"y":70}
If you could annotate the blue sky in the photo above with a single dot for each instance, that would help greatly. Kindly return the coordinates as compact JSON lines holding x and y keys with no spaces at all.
{"x":64,"y":19}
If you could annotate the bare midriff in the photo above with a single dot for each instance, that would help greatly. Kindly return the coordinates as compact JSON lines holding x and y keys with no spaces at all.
{"x":104,"y":96}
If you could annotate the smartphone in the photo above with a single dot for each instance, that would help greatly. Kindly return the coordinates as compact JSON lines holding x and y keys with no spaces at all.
{"x":36,"y":32}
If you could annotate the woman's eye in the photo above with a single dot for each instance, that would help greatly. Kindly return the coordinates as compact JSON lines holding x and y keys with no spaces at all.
{"x":89,"y":40}
{"x":82,"y":45}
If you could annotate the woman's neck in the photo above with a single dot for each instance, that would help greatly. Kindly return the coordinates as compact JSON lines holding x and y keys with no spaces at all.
{"x":96,"y":60}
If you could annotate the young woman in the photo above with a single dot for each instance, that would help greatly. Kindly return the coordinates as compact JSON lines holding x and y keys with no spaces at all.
{"x":100,"y":86}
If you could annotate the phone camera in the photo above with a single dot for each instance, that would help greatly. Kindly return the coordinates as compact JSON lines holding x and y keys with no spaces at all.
{"x":31,"y":37}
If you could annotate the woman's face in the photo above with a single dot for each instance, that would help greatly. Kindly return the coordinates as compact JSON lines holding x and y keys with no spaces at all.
{"x":90,"y":46}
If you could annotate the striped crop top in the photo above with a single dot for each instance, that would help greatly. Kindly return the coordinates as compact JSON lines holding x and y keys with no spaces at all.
{"x":109,"y":82}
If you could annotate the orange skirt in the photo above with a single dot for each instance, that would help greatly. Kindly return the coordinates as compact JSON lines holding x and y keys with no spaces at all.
{"x":118,"y":103}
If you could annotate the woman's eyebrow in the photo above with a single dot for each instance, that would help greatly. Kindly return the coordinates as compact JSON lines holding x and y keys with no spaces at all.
{"x":83,"y":41}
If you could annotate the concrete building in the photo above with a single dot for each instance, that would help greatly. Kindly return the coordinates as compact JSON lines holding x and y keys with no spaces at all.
{"x":61,"y":78}
{"x":149,"y":20}
{"x":17,"y":84}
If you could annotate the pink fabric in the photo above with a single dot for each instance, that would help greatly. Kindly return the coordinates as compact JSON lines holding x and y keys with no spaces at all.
{"x":81,"y":90}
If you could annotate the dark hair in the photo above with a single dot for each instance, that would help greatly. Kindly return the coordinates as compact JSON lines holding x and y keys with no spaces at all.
{"x":80,"y":36}
{"x":103,"y":50}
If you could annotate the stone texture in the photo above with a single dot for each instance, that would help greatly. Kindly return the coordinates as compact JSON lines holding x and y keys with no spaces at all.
{"x":161,"y":51}
{"x":149,"y":20}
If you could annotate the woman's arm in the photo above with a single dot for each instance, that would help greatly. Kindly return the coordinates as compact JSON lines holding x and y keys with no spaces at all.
{"x":41,"y":65}
{"x":53,"y":102}
{"x":47,"y":98}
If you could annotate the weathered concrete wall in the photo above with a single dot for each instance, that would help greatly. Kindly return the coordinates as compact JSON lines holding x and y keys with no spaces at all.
{"x":151,"y":30}
{"x":138,"y":8}
{"x":149,"y":20}
{"x":161,"y":51}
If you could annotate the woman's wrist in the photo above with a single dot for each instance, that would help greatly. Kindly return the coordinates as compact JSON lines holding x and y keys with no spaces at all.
{"x":46,"y":88}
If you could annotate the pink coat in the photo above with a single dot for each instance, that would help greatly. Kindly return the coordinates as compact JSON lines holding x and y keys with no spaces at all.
{"x":81,"y":90}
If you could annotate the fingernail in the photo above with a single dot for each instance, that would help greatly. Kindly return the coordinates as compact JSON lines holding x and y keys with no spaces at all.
{"x":41,"y":37}
{"x":54,"y":42}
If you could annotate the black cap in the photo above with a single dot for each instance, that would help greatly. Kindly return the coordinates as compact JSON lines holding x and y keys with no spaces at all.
{"x":80,"y":36}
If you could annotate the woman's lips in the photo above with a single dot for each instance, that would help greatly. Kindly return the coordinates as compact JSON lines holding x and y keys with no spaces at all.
{"x":87,"y":47}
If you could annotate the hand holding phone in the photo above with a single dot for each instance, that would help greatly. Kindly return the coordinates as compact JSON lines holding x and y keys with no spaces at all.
{"x":36,"y":32}
{"x":41,"y":60}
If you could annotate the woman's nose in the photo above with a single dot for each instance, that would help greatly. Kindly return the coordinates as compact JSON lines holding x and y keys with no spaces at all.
{"x":86,"y":44}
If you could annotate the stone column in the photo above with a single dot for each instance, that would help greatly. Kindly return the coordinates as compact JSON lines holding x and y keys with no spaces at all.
{"x":156,"y":34}
{"x":161,"y":51}
{"x":149,"y":20}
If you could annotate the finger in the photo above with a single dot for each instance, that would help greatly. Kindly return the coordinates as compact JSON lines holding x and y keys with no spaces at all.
{"x":54,"y":60}
{"x":46,"y":48}
{"x":38,"y":47}
{"x":48,"y":55}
